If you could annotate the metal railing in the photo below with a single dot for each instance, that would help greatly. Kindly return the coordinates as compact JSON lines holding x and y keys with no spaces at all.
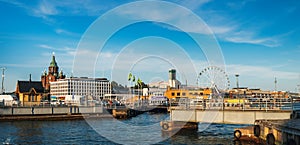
{"x":266,"y":104}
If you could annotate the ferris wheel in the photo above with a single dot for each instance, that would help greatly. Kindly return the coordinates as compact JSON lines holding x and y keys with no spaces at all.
{"x":213,"y":77}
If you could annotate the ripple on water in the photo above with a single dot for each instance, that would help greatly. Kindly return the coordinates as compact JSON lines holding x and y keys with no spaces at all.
{"x":79,"y":132}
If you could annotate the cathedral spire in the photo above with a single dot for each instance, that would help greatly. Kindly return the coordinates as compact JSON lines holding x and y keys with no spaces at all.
{"x":53,"y":62}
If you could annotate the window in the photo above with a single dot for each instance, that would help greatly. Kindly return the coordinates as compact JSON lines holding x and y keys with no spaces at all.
{"x":178,"y":94}
{"x":31,"y":98}
{"x":173,"y":94}
{"x":183,"y":94}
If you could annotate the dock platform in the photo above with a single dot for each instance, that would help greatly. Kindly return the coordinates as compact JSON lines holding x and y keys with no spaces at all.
{"x":270,"y":132}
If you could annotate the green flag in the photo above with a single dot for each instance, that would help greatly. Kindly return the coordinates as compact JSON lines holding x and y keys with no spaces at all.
{"x":139,"y":82}
{"x":129,"y":76}
{"x":133,"y":79}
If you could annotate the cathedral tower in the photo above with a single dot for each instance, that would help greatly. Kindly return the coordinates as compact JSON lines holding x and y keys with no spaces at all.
{"x":52,"y":74}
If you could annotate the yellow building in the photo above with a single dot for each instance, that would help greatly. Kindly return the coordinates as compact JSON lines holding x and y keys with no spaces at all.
{"x":187,"y":93}
{"x":30,"y":93}
{"x":256,"y":93}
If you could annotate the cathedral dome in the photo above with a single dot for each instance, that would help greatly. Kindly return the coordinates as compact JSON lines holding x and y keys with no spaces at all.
{"x":53,"y":62}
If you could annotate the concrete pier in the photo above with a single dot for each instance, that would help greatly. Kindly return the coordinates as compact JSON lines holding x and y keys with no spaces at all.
{"x":15,"y":111}
{"x":227,"y":116}
{"x":246,"y":135}
{"x":270,"y":132}
{"x":70,"y":112}
{"x":279,"y":131}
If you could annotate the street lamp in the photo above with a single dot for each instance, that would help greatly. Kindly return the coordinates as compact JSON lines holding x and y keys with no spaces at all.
{"x":237,"y":87}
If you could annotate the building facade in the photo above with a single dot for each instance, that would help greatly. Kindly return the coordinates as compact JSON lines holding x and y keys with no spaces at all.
{"x":188,"y":93}
{"x":53,"y":74}
{"x":82,"y":86}
{"x":159,"y":84}
{"x":29,"y":93}
{"x":173,"y":82}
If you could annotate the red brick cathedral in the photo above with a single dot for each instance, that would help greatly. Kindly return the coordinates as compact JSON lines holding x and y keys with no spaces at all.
{"x":52,"y":74}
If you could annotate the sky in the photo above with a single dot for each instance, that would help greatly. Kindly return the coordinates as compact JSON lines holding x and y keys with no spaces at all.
{"x":259,"y":40}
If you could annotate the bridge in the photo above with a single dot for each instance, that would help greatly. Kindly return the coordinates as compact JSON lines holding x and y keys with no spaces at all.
{"x":189,"y":118}
{"x":227,"y":116}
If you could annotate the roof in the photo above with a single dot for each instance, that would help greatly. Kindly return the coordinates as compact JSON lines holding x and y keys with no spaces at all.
{"x":53,"y":62}
{"x":26,"y":86}
{"x":6,"y":97}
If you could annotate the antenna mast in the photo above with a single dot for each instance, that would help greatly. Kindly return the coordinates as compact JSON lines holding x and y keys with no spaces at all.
{"x":2,"y":87}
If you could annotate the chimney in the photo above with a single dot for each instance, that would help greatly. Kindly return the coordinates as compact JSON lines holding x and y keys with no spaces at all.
{"x":29,"y":77}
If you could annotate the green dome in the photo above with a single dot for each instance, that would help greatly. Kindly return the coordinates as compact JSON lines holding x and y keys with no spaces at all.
{"x":53,"y":62}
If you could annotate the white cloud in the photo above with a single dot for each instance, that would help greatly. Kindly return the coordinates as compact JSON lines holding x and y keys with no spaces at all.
{"x":233,"y":29}
{"x":250,"y":37}
{"x":238,"y":4}
{"x":269,"y":42}
{"x":46,"y":8}
{"x":42,"y":9}
{"x":193,"y":4}
{"x":14,"y":2}
{"x":78,"y":8}
{"x":221,"y":29}
{"x":23,"y":65}
{"x":260,"y":71}
{"x":64,"y":54}
{"x":233,"y":32}
{"x":181,"y":18}
{"x":263,"y":77}
{"x":224,"y":27}
{"x":45,"y":46}
{"x":65,"y":48}
{"x":66,"y":32}
{"x":146,"y":66}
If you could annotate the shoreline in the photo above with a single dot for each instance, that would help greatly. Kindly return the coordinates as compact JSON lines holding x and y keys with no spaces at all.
{"x":57,"y":117}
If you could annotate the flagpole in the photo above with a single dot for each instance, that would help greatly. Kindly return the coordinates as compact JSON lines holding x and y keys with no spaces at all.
{"x":130,"y":83}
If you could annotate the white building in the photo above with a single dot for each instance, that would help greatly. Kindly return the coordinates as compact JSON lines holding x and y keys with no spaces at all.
{"x":82,"y":86}
{"x":173,"y":82}
{"x":159,"y":84}
{"x":8,"y":100}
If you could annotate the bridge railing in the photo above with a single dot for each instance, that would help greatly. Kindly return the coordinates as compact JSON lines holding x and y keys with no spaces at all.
{"x":244,"y":105}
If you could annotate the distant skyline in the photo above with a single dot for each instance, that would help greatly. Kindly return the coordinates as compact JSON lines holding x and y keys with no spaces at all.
{"x":259,"y":40}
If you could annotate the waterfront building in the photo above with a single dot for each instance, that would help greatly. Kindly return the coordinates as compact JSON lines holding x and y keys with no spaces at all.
{"x":156,"y":91}
{"x":82,"y":86}
{"x":176,"y":91}
{"x":159,"y":84}
{"x":29,"y":93}
{"x":176,"y":94}
{"x":256,"y":93}
{"x":260,"y":99}
{"x":53,"y":74}
{"x":173,"y":82}
{"x":8,"y":100}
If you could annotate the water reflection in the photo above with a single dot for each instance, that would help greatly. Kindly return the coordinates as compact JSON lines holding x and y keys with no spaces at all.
{"x":29,"y":131}
{"x":79,"y":132}
{"x":215,"y":134}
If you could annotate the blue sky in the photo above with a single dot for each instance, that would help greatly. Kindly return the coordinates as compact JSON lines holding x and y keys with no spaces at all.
{"x":259,"y":40}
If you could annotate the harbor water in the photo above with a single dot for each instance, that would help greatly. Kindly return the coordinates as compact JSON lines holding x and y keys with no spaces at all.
{"x":144,"y":129}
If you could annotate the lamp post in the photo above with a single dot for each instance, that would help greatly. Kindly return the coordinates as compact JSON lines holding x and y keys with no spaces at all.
{"x":237,"y":87}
